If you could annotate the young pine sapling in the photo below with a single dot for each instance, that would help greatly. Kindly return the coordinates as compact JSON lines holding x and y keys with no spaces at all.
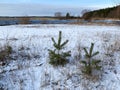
{"x":90,"y":63}
{"x":57,"y":56}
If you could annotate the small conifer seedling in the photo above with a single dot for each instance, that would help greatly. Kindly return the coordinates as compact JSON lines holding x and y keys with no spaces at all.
{"x":57,"y":56}
{"x":90,"y":63}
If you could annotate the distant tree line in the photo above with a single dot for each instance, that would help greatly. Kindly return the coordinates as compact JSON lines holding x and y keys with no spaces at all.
{"x":113,"y":12}
{"x":66,"y":16}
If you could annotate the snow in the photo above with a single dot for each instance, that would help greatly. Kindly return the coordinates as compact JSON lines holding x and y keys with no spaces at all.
{"x":31,"y":69}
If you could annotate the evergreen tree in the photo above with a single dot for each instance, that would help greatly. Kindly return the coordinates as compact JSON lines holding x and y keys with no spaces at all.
{"x":67,"y":15}
{"x":91,"y":63}
{"x":57,"y":56}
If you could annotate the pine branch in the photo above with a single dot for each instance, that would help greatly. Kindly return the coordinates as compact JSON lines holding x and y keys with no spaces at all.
{"x":63,"y":44}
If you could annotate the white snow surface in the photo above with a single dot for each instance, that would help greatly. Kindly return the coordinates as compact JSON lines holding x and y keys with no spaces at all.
{"x":37,"y":74}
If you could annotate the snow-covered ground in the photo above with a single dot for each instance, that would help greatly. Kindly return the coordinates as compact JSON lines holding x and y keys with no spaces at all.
{"x":29,"y":67}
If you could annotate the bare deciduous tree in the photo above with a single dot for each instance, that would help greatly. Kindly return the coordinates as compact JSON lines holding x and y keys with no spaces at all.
{"x":58,"y":14}
{"x":85,"y":11}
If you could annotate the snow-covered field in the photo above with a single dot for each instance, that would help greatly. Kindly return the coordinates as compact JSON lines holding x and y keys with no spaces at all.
{"x":29,"y":67}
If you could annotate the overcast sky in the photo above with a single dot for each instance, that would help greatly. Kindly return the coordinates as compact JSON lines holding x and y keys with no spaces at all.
{"x":49,"y":7}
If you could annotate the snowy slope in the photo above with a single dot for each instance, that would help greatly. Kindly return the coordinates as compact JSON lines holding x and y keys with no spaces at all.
{"x":30,"y":69}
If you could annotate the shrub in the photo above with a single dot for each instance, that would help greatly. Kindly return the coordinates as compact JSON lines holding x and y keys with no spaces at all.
{"x":91,"y":63}
{"x":57,"y":56}
{"x":25,"y":20}
{"x":5,"y":54}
